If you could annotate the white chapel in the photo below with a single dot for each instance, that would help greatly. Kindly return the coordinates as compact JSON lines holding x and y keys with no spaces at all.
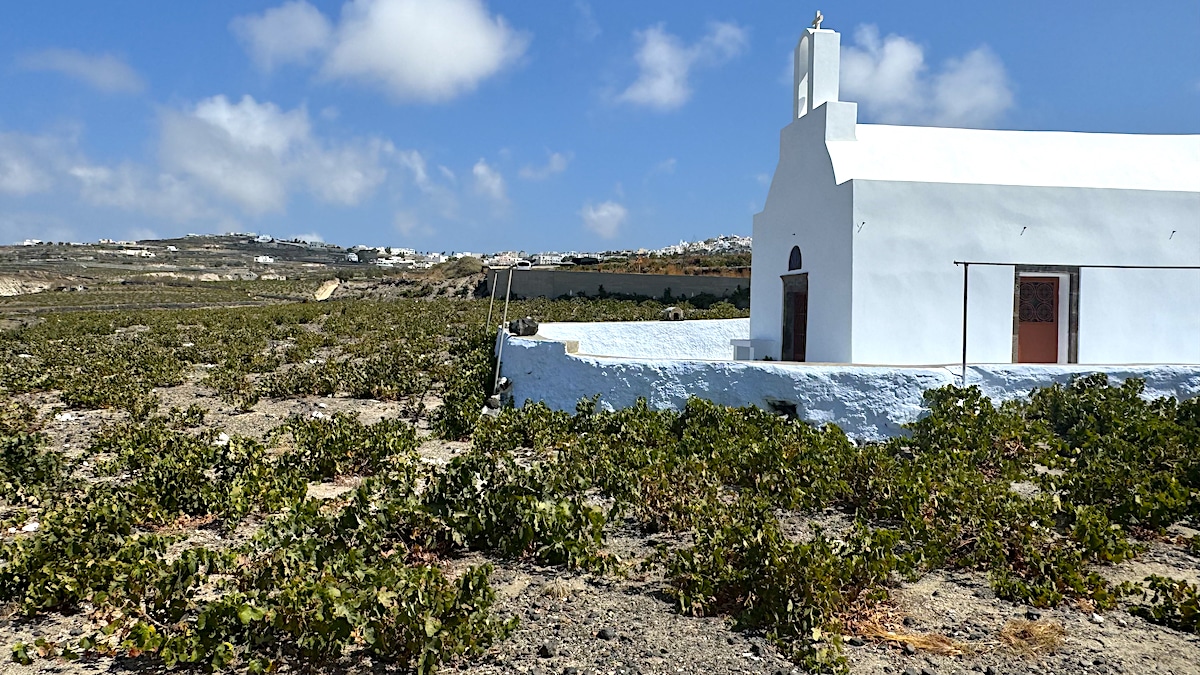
{"x":1084,"y":247}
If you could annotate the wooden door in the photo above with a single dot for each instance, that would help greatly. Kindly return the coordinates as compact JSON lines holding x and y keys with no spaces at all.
{"x":1038,"y":317}
{"x":795,"y":317}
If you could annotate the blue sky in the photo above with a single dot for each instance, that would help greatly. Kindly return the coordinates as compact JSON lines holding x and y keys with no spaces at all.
{"x":471,"y":125}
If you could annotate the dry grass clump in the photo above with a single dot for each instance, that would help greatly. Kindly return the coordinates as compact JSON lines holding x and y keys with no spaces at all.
{"x":557,"y":589}
{"x":926,"y":642}
{"x":1031,"y":638}
{"x":184,"y":523}
{"x":883,"y":623}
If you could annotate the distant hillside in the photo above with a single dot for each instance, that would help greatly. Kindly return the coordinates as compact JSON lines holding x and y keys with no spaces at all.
{"x":209,"y":271}
{"x":715,"y":264}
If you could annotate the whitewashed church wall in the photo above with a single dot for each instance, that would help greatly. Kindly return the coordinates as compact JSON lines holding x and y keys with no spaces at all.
{"x":804,"y":208}
{"x":989,"y":328}
{"x":908,"y":292}
{"x":869,"y":403}
{"x":1155,"y":313}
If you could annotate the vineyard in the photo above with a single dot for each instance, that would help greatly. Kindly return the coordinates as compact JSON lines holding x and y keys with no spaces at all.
{"x":312,"y":485}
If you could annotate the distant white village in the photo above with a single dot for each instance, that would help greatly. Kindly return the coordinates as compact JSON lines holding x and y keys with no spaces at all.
{"x":399,"y":257}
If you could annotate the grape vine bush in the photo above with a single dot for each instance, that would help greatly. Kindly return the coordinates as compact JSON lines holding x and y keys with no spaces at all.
{"x":311,"y":584}
{"x":316,"y":580}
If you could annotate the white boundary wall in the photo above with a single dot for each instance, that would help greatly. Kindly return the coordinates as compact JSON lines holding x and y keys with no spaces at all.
{"x":707,"y":339}
{"x":867,"y":402}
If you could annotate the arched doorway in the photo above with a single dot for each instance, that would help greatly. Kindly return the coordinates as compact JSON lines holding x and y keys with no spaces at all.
{"x":795,"y":309}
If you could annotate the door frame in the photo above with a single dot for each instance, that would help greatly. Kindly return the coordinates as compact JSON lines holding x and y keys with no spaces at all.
{"x":791,"y":282}
{"x":1068,"y":307}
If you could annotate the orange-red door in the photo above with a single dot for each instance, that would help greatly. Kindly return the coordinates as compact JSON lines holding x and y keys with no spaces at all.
{"x":1037,"y":315}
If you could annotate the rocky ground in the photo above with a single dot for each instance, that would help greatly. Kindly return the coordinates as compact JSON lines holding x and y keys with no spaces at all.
{"x":580,"y":623}
{"x":20,"y":285}
{"x":409,"y":285}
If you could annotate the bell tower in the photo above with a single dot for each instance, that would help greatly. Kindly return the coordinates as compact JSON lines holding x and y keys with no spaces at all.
{"x":817,"y":67}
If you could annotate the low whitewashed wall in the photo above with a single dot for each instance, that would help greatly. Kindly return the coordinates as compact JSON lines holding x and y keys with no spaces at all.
{"x":867,"y":402}
{"x":705,"y":339}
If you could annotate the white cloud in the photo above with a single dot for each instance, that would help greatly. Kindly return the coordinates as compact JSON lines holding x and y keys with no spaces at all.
{"x":25,"y":163}
{"x":410,"y":224}
{"x":19,"y":176}
{"x":345,"y":174}
{"x":133,"y":188}
{"x":236,"y":150}
{"x":421,"y":50}
{"x":214,"y":156}
{"x":556,"y":163}
{"x":605,"y":218}
{"x":415,"y":162}
{"x":488,"y":181}
{"x":311,"y":237}
{"x":18,"y":226}
{"x":53,"y":164}
{"x":663,"y":168}
{"x":105,"y":72}
{"x":587,"y":27}
{"x":889,"y":78}
{"x":439,"y":196}
{"x":972,"y":90}
{"x":251,"y":153}
{"x":254,"y":126}
{"x":665,"y":63}
{"x":291,"y":33}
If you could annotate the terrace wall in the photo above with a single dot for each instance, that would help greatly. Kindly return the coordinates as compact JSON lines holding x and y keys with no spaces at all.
{"x":867,"y":402}
{"x":557,"y":283}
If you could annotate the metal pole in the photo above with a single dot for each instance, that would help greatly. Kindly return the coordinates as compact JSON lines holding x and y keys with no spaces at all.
{"x":966,"y":269}
{"x":507,"y":295}
{"x":503,"y":324}
{"x":493,"y":300}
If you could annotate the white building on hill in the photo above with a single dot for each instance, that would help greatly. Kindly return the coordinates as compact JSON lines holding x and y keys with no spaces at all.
{"x":854,"y":253}
{"x":547,"y":258}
